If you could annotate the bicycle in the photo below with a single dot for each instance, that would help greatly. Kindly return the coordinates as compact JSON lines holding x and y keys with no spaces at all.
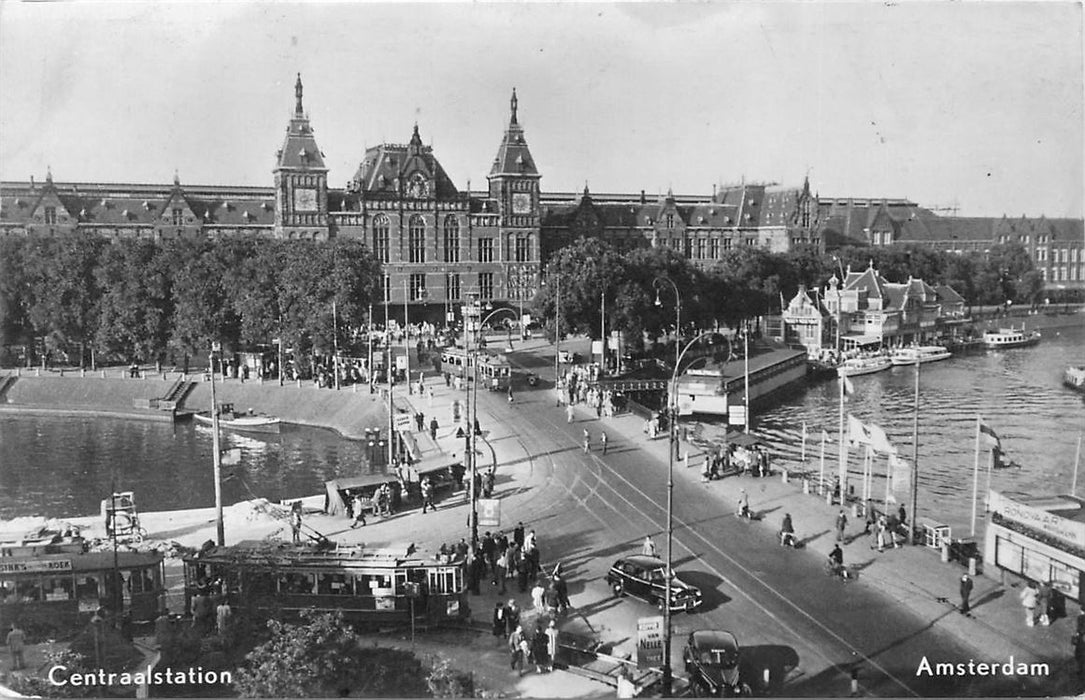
{"x":843,"y":573}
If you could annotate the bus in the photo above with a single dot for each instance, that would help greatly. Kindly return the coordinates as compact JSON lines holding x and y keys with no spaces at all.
{"x":370,"y":586}
{"x":494,"y":370}
{"x":49,"y":593}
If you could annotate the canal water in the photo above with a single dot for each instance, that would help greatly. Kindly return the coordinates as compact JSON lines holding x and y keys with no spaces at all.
{"x":63,"y":466}
{"x":1018,"y":392}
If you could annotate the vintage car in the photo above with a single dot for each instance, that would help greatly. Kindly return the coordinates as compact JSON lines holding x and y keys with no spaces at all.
{"x":711,"y":659}
{"x":646,"y":577}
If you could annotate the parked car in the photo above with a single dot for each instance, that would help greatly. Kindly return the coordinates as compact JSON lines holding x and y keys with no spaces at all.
{"x":646,"y":578}
{"x":711,"y":658}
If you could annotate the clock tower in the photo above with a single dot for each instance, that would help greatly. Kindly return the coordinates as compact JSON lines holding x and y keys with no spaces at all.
{"x":514,"y":180}
{"x":301,"y":181}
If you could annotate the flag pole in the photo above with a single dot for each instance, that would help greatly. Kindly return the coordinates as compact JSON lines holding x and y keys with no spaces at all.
{"x":804,"y":444}
{"x":915,"y":458}
{"x":843,"y":459}
{"x":1077,"y":460}
{"x":821,"y":470}
{"x":975,"y":476}
{"x":888,"y":479}
{"x":987,"y":496}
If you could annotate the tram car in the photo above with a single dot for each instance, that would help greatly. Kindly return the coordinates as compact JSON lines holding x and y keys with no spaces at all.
{"x":370,"y":586}
{"x":51,"y":593}
{"x":494,"y":370}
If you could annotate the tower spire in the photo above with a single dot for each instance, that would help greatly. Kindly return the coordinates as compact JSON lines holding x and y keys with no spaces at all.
{"x":512,"y":103}
{"x":297,"y":94}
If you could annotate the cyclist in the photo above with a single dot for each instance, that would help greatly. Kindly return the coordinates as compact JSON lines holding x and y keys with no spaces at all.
{"x":836,"y":562}
{"x":787,"y":532}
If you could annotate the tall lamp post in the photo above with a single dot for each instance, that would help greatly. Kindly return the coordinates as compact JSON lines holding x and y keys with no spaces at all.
{"x":471,"y":312}
{"x":672,"y":400}
{"x":677,"y":311}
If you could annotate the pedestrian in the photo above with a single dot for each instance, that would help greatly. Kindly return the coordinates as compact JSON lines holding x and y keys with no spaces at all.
{"x":587,"y":441}
{"x":359,"y":511}
{"x":529,"y":540}
{"x":871,"y":518}
{"x":525,"y":654}
{"x":295,"y":524}
{"x":429,"y":397}
{"x":563,"y":593}
{"x":515,"y":657}
{"x":537,"y":598}
{"x":569,"y":413}
{"x":551,"y":644}
{"x":1043,"y":603}
{"x":603,"y":440}
{"x":551,"y":599}
{"x":448,"y":379}
{"x":841,"y":523}
{"x":1028,"y":601}
{"x":499,"y":620}
{"x":902,"y":517}
{"x":882,"y":531}
{"x":512,"y":616}
{"x":433,"y":428}
{"x":222,"y":616}
{"x":540,"y":648}
{"x":510,"y":393}
{"x":16,"y":640}
{"x":648,"y":547}
{"x":501,"y":568}
{"x":1077,"y":643}
{"x":427,"y":495}
{"x":743,"y":504}
{"x":966,"y":591}
{"x":420,"y":420}
{"x":518,"y":534}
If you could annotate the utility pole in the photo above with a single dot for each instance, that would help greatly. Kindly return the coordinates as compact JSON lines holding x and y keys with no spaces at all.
{"x":388,"y":370}
{"x":406,"y":336}
{"x":335,"y":344}
{"x":915,"y":457}
{"x":216,"y":456}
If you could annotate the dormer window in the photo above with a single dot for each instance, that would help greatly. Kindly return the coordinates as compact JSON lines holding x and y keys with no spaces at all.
{"x":670,"y":220}
{"x":303,"y":154}
{"x":178,"y":217}
{"x":50,"y":215}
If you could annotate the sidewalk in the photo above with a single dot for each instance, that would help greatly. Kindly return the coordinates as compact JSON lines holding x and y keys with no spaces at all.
{"x":914,"y":576}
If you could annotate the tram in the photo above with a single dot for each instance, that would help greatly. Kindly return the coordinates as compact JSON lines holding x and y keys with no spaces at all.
{"x":494,"y":371}
{"x":369,"y":586}
{"x":58,"y":592}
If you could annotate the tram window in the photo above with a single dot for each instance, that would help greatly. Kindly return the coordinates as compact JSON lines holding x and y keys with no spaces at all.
{"x":296,"y":583}
{"x":258,"y":583}
{"x":28,"y":591}
{"x":140,"y":582}
{"x":58,"y":588}
{"x":442,"y":581}
{"x":333,"y":584}
{"x":87,"y":588}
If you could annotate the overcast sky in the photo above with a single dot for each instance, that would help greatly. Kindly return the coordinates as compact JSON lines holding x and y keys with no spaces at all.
{"x":973,"y":104}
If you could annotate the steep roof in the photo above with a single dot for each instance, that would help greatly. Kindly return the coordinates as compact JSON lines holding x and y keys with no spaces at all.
{"x":299,"y":151}
{"x":409,"y":169}
{"x":513,"y":156}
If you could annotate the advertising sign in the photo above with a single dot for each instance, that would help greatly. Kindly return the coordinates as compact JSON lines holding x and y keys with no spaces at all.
{"x":19,"y":567}
{"x":489,"y":512}
{"x":736,"y":415}
{"x":650,"y":642}
{"x":1049,"y":523}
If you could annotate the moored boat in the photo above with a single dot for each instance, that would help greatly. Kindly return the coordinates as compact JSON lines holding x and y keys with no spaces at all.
{"x":856,"y":366}
{"x":921,"y":354}
{"x":1010,"y":338}
{"x":244,"y":422}
{"x":1074,"y":377}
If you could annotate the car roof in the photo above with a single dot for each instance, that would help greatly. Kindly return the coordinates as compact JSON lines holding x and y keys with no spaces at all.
{"x":714,"y":639}
{"x":643,"y":561}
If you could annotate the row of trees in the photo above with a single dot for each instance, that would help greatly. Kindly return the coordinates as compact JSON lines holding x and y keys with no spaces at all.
{"x":140,"y":300}
{"x":147,"y":301}
{"x":596,"y":278}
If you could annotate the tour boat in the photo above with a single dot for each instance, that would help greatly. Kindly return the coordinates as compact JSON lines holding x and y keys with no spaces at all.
{"x":1074,"y":377}
{"x":855,"y":366}
{"x":921,"y":354}
{"x":244,"y":422}
{"x":1010,"y":338}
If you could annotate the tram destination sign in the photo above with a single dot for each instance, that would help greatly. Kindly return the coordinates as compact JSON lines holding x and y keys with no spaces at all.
{"x":24,"y":567}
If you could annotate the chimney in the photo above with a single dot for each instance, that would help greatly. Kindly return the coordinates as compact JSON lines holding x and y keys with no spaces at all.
{"x":643,"y":199}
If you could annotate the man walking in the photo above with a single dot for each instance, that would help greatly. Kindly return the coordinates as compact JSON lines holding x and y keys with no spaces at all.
{"x":603,"y":440}
{"x":433,"y":428}
{"x":841,"y":523}
{"x":587,"y":441}
{"x":569,"y":413}
{"x":420,"y":420}
{"x":966,"y":591}
{"x":359,"y":511}
{"x":427,"y":495}
{"x":16,"y":644}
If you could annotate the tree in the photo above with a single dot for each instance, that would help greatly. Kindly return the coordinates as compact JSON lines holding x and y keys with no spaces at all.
{"x":202,"y":312}
{"x":137,"y":302}
{"x":63,"y":290}
{"x":14,"y":291}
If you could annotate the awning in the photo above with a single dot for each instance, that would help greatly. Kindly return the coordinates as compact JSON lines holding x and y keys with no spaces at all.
{"x":861,"y":339}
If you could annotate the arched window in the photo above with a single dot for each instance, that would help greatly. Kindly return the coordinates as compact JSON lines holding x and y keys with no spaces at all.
{"x":380,"y":237}
{"x":416,"y":239}
{"x":452,"y":239}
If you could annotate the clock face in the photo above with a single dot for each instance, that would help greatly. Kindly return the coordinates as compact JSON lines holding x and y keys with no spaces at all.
{"x":521,"y":203}
{"x":305,"y":199}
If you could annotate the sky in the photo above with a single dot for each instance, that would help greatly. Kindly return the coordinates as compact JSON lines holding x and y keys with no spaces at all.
{"x":975,"y":106}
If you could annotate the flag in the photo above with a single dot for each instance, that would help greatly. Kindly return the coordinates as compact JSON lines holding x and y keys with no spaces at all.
{"x":990,"y":434}
{"x":849,"y":388}
{"x":857,"y":432}
{"x":879,"y":441}
{"x":231,"y":457}
{"x":900,"y":475}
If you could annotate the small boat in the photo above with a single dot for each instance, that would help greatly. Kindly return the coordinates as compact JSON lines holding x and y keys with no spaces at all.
{"x":855,"y":366}
{"x":1074,"y":377}
{"x":1010,"y":338}
{"x":921,"y":354}
{"x":243,"y":422}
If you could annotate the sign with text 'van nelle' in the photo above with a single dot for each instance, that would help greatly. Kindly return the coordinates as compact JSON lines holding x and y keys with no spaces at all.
{"x":489,"y":512}
{"x":650,"y":642}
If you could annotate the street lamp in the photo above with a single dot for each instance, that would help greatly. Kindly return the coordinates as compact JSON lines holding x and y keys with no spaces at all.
{"x":672,"y":400}
{"x":471,"y":311}
{"x":677,"y":311}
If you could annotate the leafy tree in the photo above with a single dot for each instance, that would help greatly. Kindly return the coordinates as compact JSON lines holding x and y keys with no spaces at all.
{"x":14,"y":322}
{"x":589,"y":269}
{"x":63,"y":289}
{"x":136,"y":302}
{"x":202,"y":313}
